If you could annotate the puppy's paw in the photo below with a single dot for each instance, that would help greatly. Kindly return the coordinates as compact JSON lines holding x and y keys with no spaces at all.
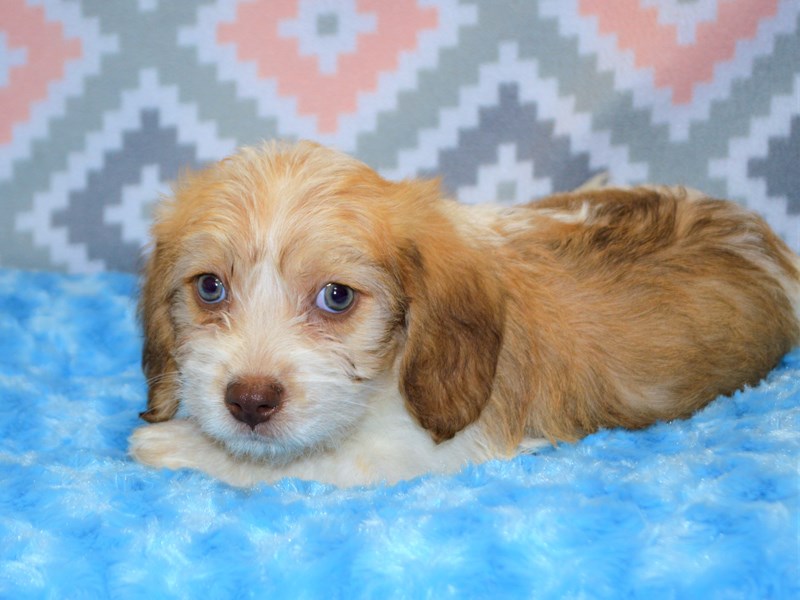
{"x":173,"y":444}
{"x":531,"y":445}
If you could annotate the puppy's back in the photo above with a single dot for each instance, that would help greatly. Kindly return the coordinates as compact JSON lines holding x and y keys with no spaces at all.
{"x":663,"y":299}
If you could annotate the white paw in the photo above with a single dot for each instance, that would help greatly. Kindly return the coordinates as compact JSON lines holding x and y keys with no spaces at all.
{"x":172,"y":444}
{"x":532,"y":445}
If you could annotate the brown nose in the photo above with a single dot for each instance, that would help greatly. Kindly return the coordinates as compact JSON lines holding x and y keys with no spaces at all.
{"x":254,"y":400}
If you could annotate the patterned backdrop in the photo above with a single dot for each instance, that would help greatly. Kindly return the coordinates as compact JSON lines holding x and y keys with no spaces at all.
{"x":102,"y":104}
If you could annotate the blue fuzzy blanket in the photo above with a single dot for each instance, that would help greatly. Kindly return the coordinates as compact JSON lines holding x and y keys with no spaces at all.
{"x":704,"y":508}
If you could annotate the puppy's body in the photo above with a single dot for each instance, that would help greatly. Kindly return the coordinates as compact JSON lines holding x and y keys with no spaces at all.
{"x":472,"y":330}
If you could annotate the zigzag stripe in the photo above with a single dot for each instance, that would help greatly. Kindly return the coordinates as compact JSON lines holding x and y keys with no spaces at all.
{"x":524,"y":73}
{"x":40,"y":220}
{"x":95,"y":46}
{"x":734,"y":168}
{"x":678,"y":118}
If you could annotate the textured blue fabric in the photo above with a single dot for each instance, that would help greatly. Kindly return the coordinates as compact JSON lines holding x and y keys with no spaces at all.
{"x":703,"y":508}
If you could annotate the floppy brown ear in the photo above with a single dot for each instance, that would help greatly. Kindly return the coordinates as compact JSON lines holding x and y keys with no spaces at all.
{"x":455,"y":321}
{"x":158,"y":362}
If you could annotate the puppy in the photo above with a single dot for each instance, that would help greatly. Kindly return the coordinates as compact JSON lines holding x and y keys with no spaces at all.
{"x":304,"y":317}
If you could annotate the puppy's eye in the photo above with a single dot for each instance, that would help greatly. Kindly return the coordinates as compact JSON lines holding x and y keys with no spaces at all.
{"x":210,"y":289}
{"x":335,"y":298}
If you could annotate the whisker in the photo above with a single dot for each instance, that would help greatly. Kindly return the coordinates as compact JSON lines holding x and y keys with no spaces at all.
{"x":161,"y":376}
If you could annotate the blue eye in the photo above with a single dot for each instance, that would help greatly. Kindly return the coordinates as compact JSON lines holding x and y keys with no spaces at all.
{"x":335,"y":298}
{"x":210,"y":289}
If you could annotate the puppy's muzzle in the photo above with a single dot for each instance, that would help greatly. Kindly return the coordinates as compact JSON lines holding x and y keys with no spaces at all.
{"x":254,"y":400}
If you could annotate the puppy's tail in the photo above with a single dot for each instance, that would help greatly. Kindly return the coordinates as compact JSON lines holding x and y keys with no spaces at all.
{"x":595,"y":182}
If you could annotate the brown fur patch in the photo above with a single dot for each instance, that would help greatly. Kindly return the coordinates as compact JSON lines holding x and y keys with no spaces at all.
{"x":455,"y":323}
{"x":648,"y":309}
{"x":158,"y":360}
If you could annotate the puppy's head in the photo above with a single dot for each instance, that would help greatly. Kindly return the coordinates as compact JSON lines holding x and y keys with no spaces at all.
{"x":288,"y":285}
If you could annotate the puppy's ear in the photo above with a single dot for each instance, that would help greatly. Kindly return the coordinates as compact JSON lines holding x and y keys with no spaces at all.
{"x":158,"y":361}
{"x":454,"y":321}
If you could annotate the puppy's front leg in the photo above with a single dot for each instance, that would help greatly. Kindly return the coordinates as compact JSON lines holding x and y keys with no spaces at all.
{"x":180,"y":444}
{"x":401,"y":452}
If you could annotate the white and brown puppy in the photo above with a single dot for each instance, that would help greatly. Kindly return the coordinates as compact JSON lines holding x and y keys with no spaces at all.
{"x":304,"y":317}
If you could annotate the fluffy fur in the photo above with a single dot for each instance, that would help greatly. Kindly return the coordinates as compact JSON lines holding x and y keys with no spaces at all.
{"x":474,"y":330}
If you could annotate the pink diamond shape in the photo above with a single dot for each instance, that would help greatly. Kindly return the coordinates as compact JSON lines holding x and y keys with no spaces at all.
{"x":675,"y":66}
{"x":46,"y":52}
{"x":255,"y":33}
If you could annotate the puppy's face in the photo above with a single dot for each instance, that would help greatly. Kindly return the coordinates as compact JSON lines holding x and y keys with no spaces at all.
{"x":280,"y":295}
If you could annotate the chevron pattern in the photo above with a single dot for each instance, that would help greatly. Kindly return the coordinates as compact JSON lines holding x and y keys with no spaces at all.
{"x":102,"y":104}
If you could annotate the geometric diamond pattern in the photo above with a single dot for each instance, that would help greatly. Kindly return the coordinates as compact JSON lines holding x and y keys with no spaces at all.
{"x":762,"y":164}
{"x":324,"y":70}
{"x":102,"y":104}
{"x":779,"y":167}
{"x":37,"y":52}
{"x":512,"y":103}
{"x":46,"y":54}
{"x":676,"y":62}
{"x":148,"y":140}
